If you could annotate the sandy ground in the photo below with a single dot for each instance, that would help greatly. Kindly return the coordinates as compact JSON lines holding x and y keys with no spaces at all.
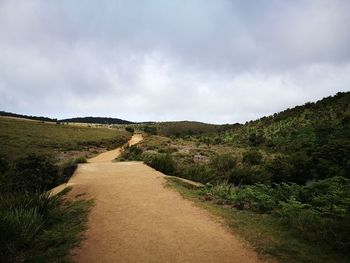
{"x":137,"y":219}
{"x":111,"y":155}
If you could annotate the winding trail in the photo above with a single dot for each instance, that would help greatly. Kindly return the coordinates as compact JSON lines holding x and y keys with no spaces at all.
{"x":137,"y":219}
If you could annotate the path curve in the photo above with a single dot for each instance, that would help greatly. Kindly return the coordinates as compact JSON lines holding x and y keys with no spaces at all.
{"x":137,"y":219}
{"x":109,"y":156}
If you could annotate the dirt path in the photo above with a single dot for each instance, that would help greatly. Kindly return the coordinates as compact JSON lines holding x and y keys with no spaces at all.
{"x":111,"y":155}
{"x":137,"y":219}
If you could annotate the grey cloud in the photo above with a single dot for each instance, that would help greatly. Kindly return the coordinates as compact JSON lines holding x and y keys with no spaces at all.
{"x":215,"y":61}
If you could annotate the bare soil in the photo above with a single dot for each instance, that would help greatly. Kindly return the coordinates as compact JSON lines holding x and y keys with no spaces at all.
{"x":137,"y":219}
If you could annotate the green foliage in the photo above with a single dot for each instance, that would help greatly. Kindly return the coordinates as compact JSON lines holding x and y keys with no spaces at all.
{"x":247,"y":175}
{"x":129,"y":129}
{"x":149,"y":129}
{"x":188,"y":128}
{"x":36,"y":173}
{"x":252,"y":157}
{"x":162,"y":162}
{"x":320,"y":212}
{"x":198,"y":172}
{"x":27,"y":210}
{"x":66,"y":170}
{"x":33,"y":173}
{"x":32,"y":224}
{"x":279,"y":169}
{"x":132,"y":153}
{"x":311,"y":141}
{"x":256,"y":138}
{"x":222,"y":164}
{"x":80,"y":159}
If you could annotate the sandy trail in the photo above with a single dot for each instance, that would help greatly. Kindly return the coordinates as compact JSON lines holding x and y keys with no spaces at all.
{"x":137,"y":219}
{"x":111,"y":155}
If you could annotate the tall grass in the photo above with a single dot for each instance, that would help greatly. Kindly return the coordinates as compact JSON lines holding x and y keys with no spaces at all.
{"x":29,"y":215}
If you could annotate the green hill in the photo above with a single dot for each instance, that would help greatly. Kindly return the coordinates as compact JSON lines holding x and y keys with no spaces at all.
{"x":311,"y":141}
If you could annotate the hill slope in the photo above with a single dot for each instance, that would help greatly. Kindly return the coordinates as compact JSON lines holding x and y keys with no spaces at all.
{"x":314,"y":139}
{"x":29,"y":117}
{"x":97,"y":120}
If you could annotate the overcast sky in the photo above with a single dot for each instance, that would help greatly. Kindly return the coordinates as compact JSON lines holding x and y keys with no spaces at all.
{"x":219,"y":61}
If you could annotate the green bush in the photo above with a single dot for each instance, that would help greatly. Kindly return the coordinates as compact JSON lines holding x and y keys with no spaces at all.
{"x":279,"y":169}
{"x":225,"y":192}
{"x":132,"y":153}
{"x":149,"y":129}
{"x":80,"y":159}
{"x":168,"y":150}
{"x":129,"y":129}
{"x":252,"y":157}
{"x":222,"y":164}
{"x":198,"y":173}
{"x":256,"y":138}
{"x":319,"y":212}
{"x":162,"y":162}
{"x":66,"y":170}
{"x":257,"y":198}
{"x":34,"y":173}
{"x":247,"y":175}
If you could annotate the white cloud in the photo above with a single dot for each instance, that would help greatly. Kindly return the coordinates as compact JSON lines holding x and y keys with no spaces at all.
{"x":222,"y":61}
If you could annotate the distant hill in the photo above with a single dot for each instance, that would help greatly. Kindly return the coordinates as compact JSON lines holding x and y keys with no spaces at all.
{"x":94,"y":120}
{"x":29,"y":117}
{"x":312,"y":140}
{"x":97,"y":120}
{"x":181,"y":128}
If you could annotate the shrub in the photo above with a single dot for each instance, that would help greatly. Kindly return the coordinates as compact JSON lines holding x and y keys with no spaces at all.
{"x":132,"y":153}
{"x":150,"y":129}
{"x":223,"y":164}
{"x":81,"y":159}
{"x":256,"y":138}
{"x":279,"y":169}
{"x":300,"y":168}
{"x":319,"y":212}
{"x":129,"y":129}
{"x":162,"y":162}
{"x":225,"y":192}
{"x":198,"y":173}
{"x":34,"y":173}
{"x":247,"y":175}
{"x":66,"y":170}
{"x":168,"y":150}
{"x":252,"y":157}
{"x":314,"y":225}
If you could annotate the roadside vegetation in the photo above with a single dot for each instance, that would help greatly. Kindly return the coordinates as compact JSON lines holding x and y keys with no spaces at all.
{"x":34,"y":158}
{"x":34,"y":225}
{"x":263,"y":231}
{"x":292,"y":167}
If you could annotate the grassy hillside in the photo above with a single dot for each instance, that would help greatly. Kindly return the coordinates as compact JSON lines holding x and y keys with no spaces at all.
{"x":37,"y":118}
{"x":97,"y":120}
{"x":183,"y":128}
{"x":314,"y":139}
{"x":36,"y":156}
{"x":22,"y":137}
{"x":289,"y":173}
